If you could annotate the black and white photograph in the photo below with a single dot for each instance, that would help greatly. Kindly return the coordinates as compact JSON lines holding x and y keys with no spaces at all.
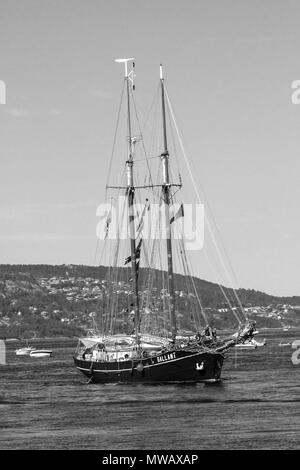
{"x":149,"y":228}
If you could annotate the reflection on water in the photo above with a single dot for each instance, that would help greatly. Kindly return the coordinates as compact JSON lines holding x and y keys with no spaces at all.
{"x":46,"y":404}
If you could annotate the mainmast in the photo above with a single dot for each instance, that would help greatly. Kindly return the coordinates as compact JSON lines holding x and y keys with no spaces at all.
{"x":166,"y":188}
{"x":130,"y":197}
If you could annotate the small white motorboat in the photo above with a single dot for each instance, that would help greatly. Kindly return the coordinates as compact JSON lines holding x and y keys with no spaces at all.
{"x":40,"y":353}
{"x":251,"y":344}
{"x":284,"y":344}
{"x":24,"y":351}
{"x":247,"y":345}
{"x":258,"y":344}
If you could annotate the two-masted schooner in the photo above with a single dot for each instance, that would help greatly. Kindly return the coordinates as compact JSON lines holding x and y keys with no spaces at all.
{"x":148,"y":353}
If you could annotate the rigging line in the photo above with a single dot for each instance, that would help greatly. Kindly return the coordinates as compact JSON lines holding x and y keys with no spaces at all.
{"x":147,"y":158}
{"x":101,"y":255}
{"x":97,"y":246}
{"x":115,"y":137}
{"x":173,"y":140}
{"x":186,"y":157}
{"x":96,"y":251}
{"x":118,"y":195}
{"x":161,"y":272}
{"x":138,"y":121}
{"x":215,"y":273}
{"x":153,"y":147}
{"x":151,"y":269}
{"x":154,"y":100}
{"x":152,"y":256}
{"x":186,"y":276}
{"x":218,"y":251}
{"x":106,"y":300}
{"x":157,"y":192}
{"x":199,"y":199}
{"x":98,"y":240}
{"x":112,"y":301}
{"x":223,"y":291}
{"x":233,"y":290}
{"x":193,"y":282}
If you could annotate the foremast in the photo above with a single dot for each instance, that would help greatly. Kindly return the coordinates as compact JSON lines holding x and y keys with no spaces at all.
{"x":130,"y":190}
{"x":166,"y":192}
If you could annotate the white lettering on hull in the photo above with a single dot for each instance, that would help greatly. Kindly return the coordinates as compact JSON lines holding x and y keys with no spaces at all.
{"x":166,"y":357}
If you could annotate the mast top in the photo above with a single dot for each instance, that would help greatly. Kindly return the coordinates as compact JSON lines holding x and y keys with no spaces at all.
{"x":125,"y":62}
{"x":161,"y":72}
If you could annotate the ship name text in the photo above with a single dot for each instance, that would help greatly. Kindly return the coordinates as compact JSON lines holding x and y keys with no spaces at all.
{"x":166,"y":357}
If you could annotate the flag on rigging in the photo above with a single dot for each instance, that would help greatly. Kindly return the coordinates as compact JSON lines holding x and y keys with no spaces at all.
{"x":179,"y":213}
{"x":108,"y":221}
{"x":137,"y":253}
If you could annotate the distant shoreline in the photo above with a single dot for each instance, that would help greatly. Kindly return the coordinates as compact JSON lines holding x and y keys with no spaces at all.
{"x":46,"y":338}
{"x":49,"y":338}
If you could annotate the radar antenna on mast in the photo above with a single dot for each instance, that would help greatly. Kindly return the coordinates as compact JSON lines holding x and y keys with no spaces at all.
{"x":128,"y":75}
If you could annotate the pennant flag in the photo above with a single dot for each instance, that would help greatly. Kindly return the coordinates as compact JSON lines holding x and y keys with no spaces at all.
{"x":179,"y":213}
{"x":108,"y":221}
{"x":127,"y":260}
{"x":138,"y":249}
{"x":137,"y":253}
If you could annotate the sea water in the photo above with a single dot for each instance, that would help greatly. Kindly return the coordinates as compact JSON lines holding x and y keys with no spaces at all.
{"x":47,"y":404}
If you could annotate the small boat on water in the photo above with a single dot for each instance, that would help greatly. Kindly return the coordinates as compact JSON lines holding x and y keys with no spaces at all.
{"x":24,"y":351}
{"x":40,"y":353}
{"x":252,"y":344}
{"x":284,"y":344}
{"x":246,"y":345}
{"x":258,"y":344}
{"x":286,"y":328}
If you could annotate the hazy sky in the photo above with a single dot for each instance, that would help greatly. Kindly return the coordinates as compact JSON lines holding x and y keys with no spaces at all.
{"x":229,"y":66}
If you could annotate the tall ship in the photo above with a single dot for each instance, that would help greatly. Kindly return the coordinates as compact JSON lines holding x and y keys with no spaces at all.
{"x":138,"y":335}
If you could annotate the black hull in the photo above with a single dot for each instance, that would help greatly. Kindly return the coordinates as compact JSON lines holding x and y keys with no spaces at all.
{"x":173,"y":366}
